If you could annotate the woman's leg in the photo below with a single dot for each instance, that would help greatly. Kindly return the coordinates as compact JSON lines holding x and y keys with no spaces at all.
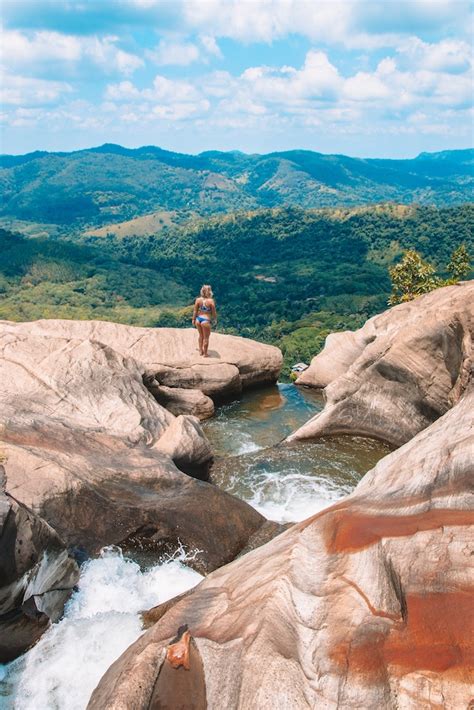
{"x":201,"y":337}
{"x":206,"y":329}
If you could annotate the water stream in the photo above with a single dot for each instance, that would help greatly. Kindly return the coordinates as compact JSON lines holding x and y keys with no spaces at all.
{"x":100,"y":621}
{"x":285,"y":483}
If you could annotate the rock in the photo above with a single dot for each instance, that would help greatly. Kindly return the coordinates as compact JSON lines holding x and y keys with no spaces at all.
{"x":184,"y":443}
{"x":397,"y":374}
{"x":366,"y":604}
{"x":170,"y":354}
{"x":96,"y":490}
{"x":340,"y":351}
{"x":85,"y":384}
{"x":178,"y":400}
{"x":37,"y":576}
{"x":91,"y":451}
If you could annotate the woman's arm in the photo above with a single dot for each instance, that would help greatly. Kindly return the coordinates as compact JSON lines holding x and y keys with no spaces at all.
{"x":195,"y":311}
{"x":214,"y":312}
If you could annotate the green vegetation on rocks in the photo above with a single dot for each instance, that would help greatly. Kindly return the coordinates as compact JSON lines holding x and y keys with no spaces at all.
{"x":413,"y":276}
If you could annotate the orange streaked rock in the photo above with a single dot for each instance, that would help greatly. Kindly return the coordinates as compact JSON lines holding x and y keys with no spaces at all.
{"x":349,"y":530}
{"x":177,"y":654}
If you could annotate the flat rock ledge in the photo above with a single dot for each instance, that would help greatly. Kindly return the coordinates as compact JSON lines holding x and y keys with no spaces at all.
{"x":397,"y":374}
{"x":367,"y":604}
{"x":169,"y":357}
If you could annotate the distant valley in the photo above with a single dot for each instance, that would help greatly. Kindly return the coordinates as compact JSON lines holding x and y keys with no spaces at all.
{"x":100,"y":187}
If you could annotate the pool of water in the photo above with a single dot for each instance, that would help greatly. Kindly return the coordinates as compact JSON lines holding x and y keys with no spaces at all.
{"x":286,"y":483}
{"x":261,"y":418}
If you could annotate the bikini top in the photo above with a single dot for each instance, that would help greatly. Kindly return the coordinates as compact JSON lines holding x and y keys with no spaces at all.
{"x":203,"y":306}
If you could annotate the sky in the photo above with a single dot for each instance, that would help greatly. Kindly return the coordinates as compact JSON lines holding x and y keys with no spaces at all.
{"x":384,"y":78}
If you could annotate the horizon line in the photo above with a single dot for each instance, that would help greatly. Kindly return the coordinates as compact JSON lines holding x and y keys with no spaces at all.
{"x":227,"y":152}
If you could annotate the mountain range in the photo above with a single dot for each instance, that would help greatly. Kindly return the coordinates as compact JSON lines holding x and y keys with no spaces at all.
{"x":109,"y":184}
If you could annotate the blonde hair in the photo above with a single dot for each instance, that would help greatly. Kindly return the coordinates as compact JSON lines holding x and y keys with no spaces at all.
{"x":206,"y":291}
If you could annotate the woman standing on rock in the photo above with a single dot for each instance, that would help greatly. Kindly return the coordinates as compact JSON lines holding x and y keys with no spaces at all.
{"x":203,"y":315}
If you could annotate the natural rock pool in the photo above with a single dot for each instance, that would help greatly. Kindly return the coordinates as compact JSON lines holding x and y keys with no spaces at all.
{"x":285,"y":483}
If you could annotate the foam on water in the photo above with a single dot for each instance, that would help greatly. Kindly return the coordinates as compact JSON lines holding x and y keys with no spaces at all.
{"x":101,"y":620}
{"x":293,"y":496}
{"x":291,"y":483}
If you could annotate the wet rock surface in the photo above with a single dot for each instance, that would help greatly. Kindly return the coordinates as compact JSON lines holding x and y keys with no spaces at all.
{"x":95,"y":490}
{"x":366,"y":604}
{"x":37,"y":575}
{"x":397,"y":374}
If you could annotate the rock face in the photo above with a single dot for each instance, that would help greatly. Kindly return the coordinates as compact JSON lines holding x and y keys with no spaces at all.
{"x":178,"y":400}
{"x":367,"y":604}
{"x":397,"y":374}
{"x":170,"y":354}
{"x":94,"y":490}
{"x":36,"y":576}
{"x":84,"y":384}
{"x":91,"y":450}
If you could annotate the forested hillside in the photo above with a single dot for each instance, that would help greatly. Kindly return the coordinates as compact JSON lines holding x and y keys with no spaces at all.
{"x":110,"y":184}
{"x":286,"y":276}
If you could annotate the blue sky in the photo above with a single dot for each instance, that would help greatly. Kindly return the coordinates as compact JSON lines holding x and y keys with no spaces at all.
{"x":385,"y":78}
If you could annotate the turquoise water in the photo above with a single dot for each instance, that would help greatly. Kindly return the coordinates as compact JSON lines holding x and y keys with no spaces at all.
{"x":286,"y":483}
{"x":261,"y":418}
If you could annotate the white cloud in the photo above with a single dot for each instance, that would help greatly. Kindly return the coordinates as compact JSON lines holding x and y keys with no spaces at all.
{"x":110,"y":58}
{"x":317,"y":79}
{"x":26,"y":91}
{"x":171,"y":90}
{"x":365,"y":87}
{"x":177,"y":53}
{"x":266,"y":20}
{"x":166,"y":99}
{"x":181,"y":110}
{"x":351,"y":23}
{"x":17,"y":48}
{"x":317,"y":93}
{"x":123,"y":91}
{"x":210,"y":45}
{"x":449,"y":55}
{"x":32,"y":52}
{"x":182,"y":53}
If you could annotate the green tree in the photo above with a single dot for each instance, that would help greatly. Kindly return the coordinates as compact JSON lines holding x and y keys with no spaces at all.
{"x":411,"y":277}
{"x":460,"y":264}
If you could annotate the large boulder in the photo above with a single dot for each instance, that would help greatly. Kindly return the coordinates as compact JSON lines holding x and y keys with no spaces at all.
{"x":37,"y":575}
{"x":81,"y":383}
{"x":179,"y":400}
{"x":397,"y":374}
{"x":170,"y":355}
{"x":367,"y":604}
{"x":95,"y":490}
{"x":91,"y":450}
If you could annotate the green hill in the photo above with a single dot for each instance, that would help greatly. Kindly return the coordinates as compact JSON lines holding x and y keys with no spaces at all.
{"x":100,"y":186}
{"x":282,"y":275}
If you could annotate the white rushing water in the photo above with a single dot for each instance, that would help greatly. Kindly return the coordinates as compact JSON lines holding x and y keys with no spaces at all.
{"x":284,"y":483}
{"x":293,"y":496}
{"x":101,"y":620}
